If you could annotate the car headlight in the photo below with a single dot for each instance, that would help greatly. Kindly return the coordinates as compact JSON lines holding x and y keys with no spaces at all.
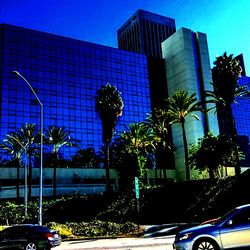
{"x":185,"y":236}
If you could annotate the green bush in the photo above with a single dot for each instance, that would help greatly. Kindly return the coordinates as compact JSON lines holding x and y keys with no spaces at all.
{"x":11,"y":213}
{"x":98,"y":228}
{"x":62,"y":229}
{"x":121,"y":209}
{"x":220,"y":196}
{"x":76,"y":207}
{"x":2,"y":228}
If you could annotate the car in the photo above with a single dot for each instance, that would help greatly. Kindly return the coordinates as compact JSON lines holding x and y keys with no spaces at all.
{"x":231,"y":231}
{"x":29,"y":237}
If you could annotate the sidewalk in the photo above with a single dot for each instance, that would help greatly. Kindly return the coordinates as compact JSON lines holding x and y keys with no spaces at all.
{"x":156,"y":237}
{"x":121,"y":243}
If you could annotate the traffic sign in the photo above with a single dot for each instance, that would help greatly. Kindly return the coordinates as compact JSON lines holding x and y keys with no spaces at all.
{"x":136,"y":187}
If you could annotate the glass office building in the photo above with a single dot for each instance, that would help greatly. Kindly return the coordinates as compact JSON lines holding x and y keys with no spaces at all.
{"x":66,"y":74}
{"x":241,"y":112}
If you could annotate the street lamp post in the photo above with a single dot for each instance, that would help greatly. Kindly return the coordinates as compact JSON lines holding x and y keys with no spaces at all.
{"x":41,"y":147}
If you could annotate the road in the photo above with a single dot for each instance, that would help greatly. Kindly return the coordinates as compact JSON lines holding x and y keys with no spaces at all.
{"x":154,"y":243}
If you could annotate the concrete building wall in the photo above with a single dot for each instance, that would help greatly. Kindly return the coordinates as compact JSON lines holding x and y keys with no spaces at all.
{"x":205,"y":70}
{"x":188,"y":68}
{"x":73,"y":180}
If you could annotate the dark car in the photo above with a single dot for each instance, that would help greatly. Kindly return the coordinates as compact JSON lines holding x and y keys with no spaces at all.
{"x":29,"y":237}
{"x":231,"y":231}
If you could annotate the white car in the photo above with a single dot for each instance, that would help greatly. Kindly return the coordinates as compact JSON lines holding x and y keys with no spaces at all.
{"x":231,"y":231}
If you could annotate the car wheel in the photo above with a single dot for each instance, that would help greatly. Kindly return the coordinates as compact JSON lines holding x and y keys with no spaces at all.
{"x":205,"y":244}
{"x":30,"y":246}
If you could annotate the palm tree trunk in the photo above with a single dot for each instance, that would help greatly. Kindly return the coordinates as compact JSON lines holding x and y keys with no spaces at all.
{"x":54,"y":181}
{"x":164,"y":174}
{"x":161,"y":157}
{"x":185,"y":151}
{"x":156,"y":177}
{"x":108,"y":188}
{"x":18,"y":180}
{"x":234,"y":138}
{"x":211,"y":173}
{"x":233,"y":135}
{"x":30,"y":177}
{"x":54,"y":175}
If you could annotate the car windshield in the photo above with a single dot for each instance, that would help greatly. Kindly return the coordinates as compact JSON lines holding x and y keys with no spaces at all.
{"x":222,"y":218}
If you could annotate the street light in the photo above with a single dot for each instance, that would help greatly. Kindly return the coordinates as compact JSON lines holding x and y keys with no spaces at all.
{"x":41,"y":147}
{"x":25,"y":172}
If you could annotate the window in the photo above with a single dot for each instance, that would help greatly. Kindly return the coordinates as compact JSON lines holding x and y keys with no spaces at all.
{"x":243,"y":217}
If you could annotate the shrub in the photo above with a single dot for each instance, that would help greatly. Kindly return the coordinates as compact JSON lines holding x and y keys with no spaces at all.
{"x":98,"y":228}
{"x":220,"y":196}
{"x":2,"y":228}
{"x":11,"y":213}
{"x":121,"y":209}
{"x":62,"y":229}
{"x":76,"y":207}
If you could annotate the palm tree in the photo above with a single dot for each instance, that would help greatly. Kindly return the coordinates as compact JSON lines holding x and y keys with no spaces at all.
{"x":12,"y":146}
{"x":29,"y":137}
{"x":56,"y":138}
{"x":138,"y":142}
{"x":180,"y":106}
{"x":159,"y":121}
{"x":86,"y":158}
{"x":226,"y":73}
{"x":109,"y":105}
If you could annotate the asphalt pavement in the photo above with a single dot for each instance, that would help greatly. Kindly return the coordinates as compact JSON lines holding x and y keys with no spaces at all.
{"x":165,"y":229}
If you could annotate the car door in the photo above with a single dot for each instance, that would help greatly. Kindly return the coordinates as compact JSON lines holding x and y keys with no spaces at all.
{"x":18,"y":237}
{"x":236,"y":231}
{"x":4,"y":239}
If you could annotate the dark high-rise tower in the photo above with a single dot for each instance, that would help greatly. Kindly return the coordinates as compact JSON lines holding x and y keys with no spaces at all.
{"x":242,"y":64}
{"x":144,"y":32}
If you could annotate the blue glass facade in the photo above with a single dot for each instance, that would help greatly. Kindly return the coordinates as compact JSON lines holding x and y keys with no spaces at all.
{"x":66,"y":73}
{"x":241,"y":110}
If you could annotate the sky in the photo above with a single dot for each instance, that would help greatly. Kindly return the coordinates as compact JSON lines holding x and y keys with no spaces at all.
{"x":226,"y":22}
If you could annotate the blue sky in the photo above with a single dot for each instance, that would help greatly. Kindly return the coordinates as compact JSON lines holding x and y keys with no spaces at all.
{"x":226,"y":22}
